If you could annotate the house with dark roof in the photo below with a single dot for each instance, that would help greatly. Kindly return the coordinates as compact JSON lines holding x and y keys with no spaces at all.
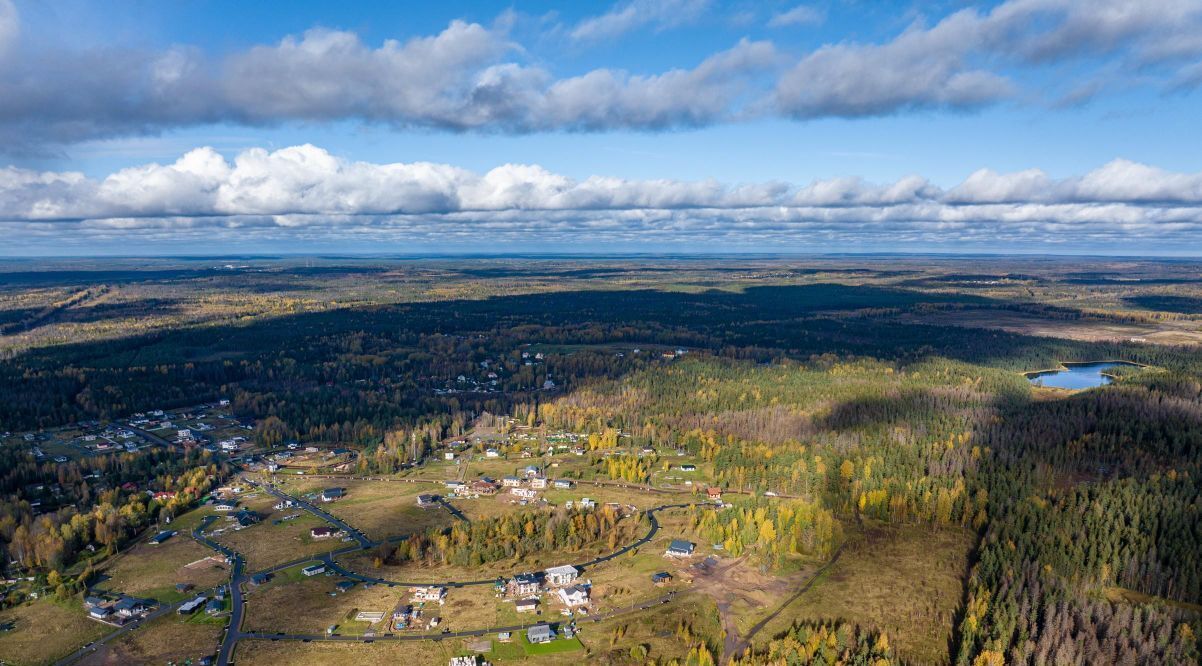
{"x":662,"y":578}
{"x":331,"y":494}
{"x":129,"y":607}
{"x":680,"y":548}
{"x":246,"y":518}
{"x":522,"y":585}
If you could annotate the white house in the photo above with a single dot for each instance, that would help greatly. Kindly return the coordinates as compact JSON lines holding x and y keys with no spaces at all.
{"x":430,"y":593}
{"x":524,"y":493}
{"x":576,"y":595}
{"x":538,"y":483}
{"x":562,"y":575}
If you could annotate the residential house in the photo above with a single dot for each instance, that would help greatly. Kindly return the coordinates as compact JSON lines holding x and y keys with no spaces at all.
{"x":190,"y":606}
{"x":573,"y":596}
{"x":127,"y":607}
{"x":99,"y":612}
{"x":511,"y":482}
{"x":344,"y":585}
{"x":246,"y":518}
{"x":538,"y":483}
{"x":562,"y":575}
{"x":688,"y":468}
{"x":662,"y":578}
{"x":314,"y":569}
{"x":430,"y":593}
{"x":524,"y":493}
{"x":331,"y":494}
{"x":532,"y":471}
{"x":540,"y":633}
{"x":679,"y":548}
{"x":562,"y":484}
{"x":214,"y":607}
{"x":526,"y":605}
{"x":224,"y":505}
{"x":523,"y":585}
{"x":713,"y":493}
{"x":427,"y":500}
{"x":161,"y":537}
{"x":483,"y":488}
{"x":492,"y":453}
{"x":324,"y":532}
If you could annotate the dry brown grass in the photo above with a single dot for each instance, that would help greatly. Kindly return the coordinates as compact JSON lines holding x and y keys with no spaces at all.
{"x":153,"y":571}
{"x":380,"y":653}
{"x":265,"y":545}
{"x":380,"y":509}
{"x":167,"y":639}
{"x":44,"y":631}
{"x":906,"y":582}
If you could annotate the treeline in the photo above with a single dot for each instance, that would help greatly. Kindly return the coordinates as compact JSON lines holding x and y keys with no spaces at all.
{"x":773,"y":533}
{"x":822,"y":644}
{"x":516,"y":536}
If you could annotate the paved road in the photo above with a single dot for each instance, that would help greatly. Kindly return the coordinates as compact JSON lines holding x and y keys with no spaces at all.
{"x":355,"y":534}
{"x":654,"y":529}
{"x":650,"y":603}
{"x":453,"y":511}
{"x":117,"y":633}
{"x":239,"y":576}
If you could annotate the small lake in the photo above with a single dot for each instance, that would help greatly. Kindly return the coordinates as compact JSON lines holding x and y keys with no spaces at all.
{"x":1075,"y":376}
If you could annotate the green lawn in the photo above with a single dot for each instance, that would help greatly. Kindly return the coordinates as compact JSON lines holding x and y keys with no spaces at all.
{"x":554,"y":647}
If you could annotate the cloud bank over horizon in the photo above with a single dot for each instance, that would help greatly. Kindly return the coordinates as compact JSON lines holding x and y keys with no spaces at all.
{"x":471,"y":77}
{"x":305,"y":193}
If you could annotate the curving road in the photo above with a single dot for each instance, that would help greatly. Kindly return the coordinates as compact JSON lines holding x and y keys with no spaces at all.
{"x":328,"y":558}
{"x":239,"y":576}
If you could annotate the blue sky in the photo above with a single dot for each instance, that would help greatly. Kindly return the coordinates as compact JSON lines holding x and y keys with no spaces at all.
{"x":642,"y":121}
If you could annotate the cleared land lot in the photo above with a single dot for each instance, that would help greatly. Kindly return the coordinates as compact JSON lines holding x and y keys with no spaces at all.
{"x":169,"y":639}
{"x":153,"y":571}
{"x":380,"y":653}
{"x":380,"y":509}
{"x":904,"y":581}
{"x":44,"y":631}
{"x":268,"y":544}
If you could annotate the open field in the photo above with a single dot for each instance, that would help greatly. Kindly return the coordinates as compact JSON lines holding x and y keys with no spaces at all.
{"x":380,"y":509}
{"x":267,"y":544}
{"x":168,"y":639}
{"x":906,"y":582}
{"x":44,"y":631}
{"x":1086,"y":330}
{"x":153,"y":570}
{"x":380,"y":653}
{"x":668,"y":631}
{"x":305,"y":605}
